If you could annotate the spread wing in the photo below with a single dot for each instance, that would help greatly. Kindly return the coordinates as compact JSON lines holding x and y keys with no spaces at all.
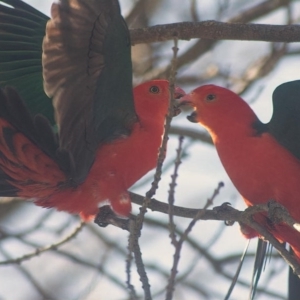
{"x":285,"y":122}
{"x":87,"y":70}
{"x":22,"y":29}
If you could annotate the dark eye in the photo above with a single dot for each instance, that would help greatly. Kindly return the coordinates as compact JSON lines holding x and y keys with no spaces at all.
{"x":210,"y":97}
{"x":154,"y":89}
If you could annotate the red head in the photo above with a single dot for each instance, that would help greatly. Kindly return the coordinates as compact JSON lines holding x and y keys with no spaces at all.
{"x":152,"y":98}
{"x":217,"y":108}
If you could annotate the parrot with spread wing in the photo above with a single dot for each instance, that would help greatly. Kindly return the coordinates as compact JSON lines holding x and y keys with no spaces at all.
{"x":108,"y":134}
{"x":262,"y":160}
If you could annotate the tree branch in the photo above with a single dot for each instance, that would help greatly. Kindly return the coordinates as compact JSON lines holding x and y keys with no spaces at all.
{"x":39,"y":251}
{"x":204,"y":45}
{"x":213,"y":30}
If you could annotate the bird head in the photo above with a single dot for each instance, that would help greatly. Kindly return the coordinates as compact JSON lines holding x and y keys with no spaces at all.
{"x":153,"y":98}
{"x":215,"y":107}
{"x":203,"y":99}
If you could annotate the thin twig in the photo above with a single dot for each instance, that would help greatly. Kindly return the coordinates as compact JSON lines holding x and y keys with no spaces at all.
{"x":178,"y":245}
{"x":137,"y":224}
{"x":129,"y":260}
{"x":44,"y":249}
{"x":172,"y":192}
{"x":232,"y":215}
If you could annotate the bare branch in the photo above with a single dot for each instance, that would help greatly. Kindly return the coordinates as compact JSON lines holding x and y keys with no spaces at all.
{"x":171,"y":199}
{"x":213,"y":30}
{"x":178,"y":244}
{"x":44,"y":249}
{"x":137,"y":224}
{"x":203,"y":45}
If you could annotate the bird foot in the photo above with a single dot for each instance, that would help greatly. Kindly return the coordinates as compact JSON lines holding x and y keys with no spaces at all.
{"x":106,"y":216}
{"x":224,"y":207}
{"x":277,"y":213}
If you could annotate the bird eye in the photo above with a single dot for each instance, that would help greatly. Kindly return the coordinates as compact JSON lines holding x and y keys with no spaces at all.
{"x":154,"y":89}
{"x":210,"y":97}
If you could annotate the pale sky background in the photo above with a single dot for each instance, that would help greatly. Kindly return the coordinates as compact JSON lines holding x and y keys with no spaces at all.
{"x":200,"y":173}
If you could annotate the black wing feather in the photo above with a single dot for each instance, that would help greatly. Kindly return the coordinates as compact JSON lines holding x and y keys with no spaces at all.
{"x":14,"y":111}
{"x":284,"y":125}
{"x":38,"y":129}
{"x":87,"y":70}
{"x":22,"y":29}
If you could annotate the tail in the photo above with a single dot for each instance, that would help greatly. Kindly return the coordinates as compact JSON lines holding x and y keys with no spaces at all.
{"x":259,"y":265}
{"x":293,"y":284}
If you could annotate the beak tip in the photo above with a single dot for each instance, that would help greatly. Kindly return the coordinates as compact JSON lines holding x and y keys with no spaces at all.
{"x":193,"y":117}
{"x":179,"y":92}
{"x":186,"y":100}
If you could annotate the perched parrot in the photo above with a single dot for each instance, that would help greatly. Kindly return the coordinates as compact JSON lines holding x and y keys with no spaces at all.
{"x":108,"y":134}
{"x":262,"y":160}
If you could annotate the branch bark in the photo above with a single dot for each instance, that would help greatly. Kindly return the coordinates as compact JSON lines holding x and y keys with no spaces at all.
{"x":213,"y":30}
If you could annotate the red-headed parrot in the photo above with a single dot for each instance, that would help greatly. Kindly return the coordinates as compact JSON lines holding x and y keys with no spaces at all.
{"x":262,"y":160}
{"x":108,"y":134}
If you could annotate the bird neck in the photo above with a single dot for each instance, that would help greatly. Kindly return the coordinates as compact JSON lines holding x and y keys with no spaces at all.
{"x":231,"y":133}
{"x":230,"y":123}
{"x":152,"y":122}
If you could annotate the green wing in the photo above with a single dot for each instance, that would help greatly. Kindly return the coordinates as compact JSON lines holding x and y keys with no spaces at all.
{"x":22,"y":29}
{"x":285,"y":122}
{"x":87,"y":71}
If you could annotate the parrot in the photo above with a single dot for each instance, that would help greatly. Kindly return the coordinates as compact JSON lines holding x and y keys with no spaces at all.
{"x":261,"y":159}
{"x":98,"y":136}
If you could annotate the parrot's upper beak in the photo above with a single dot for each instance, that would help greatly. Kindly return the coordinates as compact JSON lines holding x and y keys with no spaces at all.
{"x":186,"y":99}
{"x":179,"y":93}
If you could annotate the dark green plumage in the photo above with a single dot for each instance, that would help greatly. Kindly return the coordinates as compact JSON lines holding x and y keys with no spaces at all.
{"x":85,"y":69}
{"x":285,"y":122}
{"x":22,"y":29}
{"x":284,"y":125}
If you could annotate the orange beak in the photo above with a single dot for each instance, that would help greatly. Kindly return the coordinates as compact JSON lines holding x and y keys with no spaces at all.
{"x":186,"y":99}
{"x":179,"y":92}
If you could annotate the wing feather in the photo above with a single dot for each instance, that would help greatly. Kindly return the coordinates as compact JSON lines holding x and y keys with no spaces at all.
{"x":22,"y":29}
{"x":285,"y":122}
{"x":29,"y":164}
{"x":87,"y":70}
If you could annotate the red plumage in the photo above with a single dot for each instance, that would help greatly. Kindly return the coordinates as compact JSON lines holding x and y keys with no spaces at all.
{"x":260,"y":168}
{"x":118,"y":163}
